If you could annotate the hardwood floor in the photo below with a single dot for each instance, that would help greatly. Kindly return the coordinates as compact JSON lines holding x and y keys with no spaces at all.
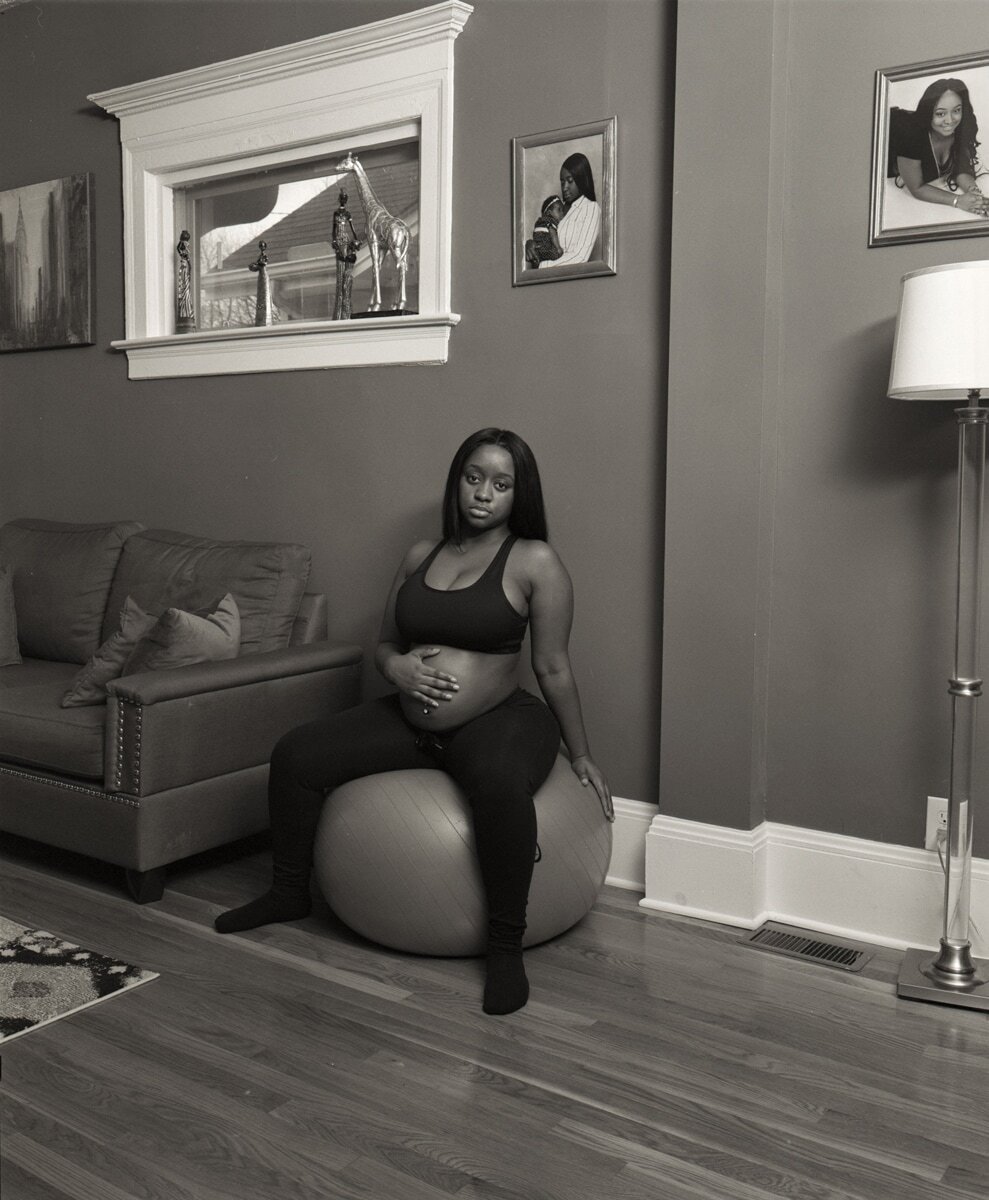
{"x":658,"y":1058}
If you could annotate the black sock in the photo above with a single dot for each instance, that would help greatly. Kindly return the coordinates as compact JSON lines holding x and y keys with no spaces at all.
{"x":266,"y":910}
{"x":506,"y":988}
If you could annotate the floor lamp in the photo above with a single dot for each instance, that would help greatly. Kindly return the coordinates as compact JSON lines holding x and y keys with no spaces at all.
{"x":941,"y":352}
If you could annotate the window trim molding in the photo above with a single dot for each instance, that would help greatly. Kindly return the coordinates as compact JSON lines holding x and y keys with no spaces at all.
{"x":322,"y":96}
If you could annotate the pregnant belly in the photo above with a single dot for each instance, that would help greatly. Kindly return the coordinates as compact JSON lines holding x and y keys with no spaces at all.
{"x":485,"y":680}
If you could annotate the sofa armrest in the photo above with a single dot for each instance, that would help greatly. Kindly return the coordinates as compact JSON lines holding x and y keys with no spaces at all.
{"x":152,"y":687}
{"x":169,"y":728}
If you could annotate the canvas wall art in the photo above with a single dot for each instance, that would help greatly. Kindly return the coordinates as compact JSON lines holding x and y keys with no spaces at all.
{"x":46,"y":264}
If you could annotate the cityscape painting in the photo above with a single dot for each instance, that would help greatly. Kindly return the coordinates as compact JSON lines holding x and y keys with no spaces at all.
{"x":46,"y":264}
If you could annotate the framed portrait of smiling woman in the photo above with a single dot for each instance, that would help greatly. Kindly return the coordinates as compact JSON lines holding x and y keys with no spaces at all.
{"x":563,"y":203}
{"x":930,"y":151}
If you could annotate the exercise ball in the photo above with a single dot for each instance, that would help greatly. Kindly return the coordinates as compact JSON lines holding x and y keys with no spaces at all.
{"x":394,"y":858}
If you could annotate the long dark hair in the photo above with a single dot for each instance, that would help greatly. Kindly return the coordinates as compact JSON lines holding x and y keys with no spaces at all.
{"x":580,"y":170}
{"x":528,"y":516}
{"x":963,"y":150}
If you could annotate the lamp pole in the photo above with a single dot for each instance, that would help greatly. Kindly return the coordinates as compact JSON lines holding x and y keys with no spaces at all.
{"x":953,"y":976}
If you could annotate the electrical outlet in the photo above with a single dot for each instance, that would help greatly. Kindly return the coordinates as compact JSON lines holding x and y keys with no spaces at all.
{"x":937,"y":821}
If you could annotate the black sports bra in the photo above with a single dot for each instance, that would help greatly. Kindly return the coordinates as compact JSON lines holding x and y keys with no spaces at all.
{"x":478,"y":617}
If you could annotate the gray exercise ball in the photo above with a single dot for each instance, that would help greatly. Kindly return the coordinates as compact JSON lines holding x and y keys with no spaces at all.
{"x":394,"y":858}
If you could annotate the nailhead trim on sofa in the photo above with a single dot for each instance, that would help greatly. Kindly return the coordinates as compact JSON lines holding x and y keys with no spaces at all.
{"x":134,"y":764}
{"x":115,"y":797}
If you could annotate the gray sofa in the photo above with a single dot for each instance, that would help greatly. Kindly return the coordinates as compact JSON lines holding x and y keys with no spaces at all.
{"x":171,"y":762}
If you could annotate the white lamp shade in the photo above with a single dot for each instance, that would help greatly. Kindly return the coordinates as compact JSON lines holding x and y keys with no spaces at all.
{"x":941,"y":347}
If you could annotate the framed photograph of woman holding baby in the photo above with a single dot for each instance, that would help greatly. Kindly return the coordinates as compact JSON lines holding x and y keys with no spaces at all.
{"x":930,"y":169}
{"x":563,"y":203}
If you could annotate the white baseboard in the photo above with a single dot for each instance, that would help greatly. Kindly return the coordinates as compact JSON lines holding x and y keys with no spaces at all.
{"x":633,"y":819}
{"x":849,"y":887}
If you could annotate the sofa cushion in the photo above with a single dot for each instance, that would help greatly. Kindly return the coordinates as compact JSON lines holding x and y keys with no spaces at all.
{"x":89,"y":686}
{"x":37,"y":732}
{"x":162,"y":569}
{"x":9,"y":650}
{"x":182,"y":639}
{"x":31,"y":671}
{"x":62,"y":577}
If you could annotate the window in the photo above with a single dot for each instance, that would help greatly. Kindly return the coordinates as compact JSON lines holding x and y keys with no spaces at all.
{"x":259,"y":149}
{"x":292,"y":211}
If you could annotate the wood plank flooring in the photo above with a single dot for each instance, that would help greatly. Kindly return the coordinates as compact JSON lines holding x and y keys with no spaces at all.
{"x":658,"y":1058}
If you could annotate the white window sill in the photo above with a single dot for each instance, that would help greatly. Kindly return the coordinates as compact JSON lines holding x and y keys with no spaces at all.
{"x":294,"y":346}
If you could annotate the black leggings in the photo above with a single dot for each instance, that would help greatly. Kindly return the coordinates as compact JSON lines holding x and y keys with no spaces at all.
{"x":499,"y":759}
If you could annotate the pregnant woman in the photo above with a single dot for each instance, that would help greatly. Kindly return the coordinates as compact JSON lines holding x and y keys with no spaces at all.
{"x":450,"y":643}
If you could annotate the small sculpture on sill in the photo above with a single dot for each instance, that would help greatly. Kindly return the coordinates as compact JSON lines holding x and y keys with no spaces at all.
{"x":385,"y":235}
{"x":263,"y":312}
{"x":185,"y":316}
{"x":346,"y":243}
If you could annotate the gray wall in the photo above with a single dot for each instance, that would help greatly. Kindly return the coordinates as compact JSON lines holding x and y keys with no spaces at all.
{"x":809,"y":599}
{"x":352,"y":462}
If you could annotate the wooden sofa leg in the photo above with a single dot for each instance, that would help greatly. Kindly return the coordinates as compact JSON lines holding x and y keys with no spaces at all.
{"x":146,"y":886}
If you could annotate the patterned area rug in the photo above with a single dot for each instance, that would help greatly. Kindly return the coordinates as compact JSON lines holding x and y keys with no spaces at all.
{"x":43,"y":978}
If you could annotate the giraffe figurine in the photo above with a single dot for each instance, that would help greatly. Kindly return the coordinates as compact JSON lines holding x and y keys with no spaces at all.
{"x":385,"y":234}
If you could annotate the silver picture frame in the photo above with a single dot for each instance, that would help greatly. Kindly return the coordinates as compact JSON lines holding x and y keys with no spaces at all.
{"x":537,"y":162}
{"x":896,"y":215}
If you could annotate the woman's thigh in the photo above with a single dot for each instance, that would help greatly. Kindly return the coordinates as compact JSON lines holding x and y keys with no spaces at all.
{"x":510,"y":748}
{"x":362,"y":740}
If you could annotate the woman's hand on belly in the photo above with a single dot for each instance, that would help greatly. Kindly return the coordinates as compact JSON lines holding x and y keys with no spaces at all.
{"x":482,"y":681}
{"x":421,"y":681}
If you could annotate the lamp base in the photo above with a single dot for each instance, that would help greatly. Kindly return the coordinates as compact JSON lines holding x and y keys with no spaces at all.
{"x":918,"y":981}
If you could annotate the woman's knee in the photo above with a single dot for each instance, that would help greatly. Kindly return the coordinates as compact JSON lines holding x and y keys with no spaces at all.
{"x":356,"y":741}
{"x":302,"y":752}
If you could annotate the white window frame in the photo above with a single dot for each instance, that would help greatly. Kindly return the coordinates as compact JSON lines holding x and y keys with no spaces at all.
{"x":357,"y":88}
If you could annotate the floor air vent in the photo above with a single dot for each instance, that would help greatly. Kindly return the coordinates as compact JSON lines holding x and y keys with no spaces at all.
{"x":799,"y":943}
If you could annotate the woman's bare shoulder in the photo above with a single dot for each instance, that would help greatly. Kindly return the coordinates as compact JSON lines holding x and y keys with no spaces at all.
{"x":415,"y":555}
{"x":538,"y":559}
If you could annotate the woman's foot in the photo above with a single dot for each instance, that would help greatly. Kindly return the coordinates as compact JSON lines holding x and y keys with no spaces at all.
{"x":506,"y":989}
{"x":268,"y":909}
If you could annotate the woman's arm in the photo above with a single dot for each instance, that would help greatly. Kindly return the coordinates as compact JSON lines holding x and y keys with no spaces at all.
{"x":966,"y":182}
{"x":550,"y":620}
{"x":968,"y":199}
{"x":578,"y":232}
{"x":405,"y":669}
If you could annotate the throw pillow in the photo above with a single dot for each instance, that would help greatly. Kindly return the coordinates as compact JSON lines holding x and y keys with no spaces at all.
{"x":89,"y":686}
{"x":9,"y":650}
{"x":180,"y":639}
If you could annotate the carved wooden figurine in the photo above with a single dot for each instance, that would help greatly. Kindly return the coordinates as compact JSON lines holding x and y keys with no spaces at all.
{"x":263,"y":314}
{"x":385,"y":234}
{"x":185,"y":316}
{"x":346,"y":244}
